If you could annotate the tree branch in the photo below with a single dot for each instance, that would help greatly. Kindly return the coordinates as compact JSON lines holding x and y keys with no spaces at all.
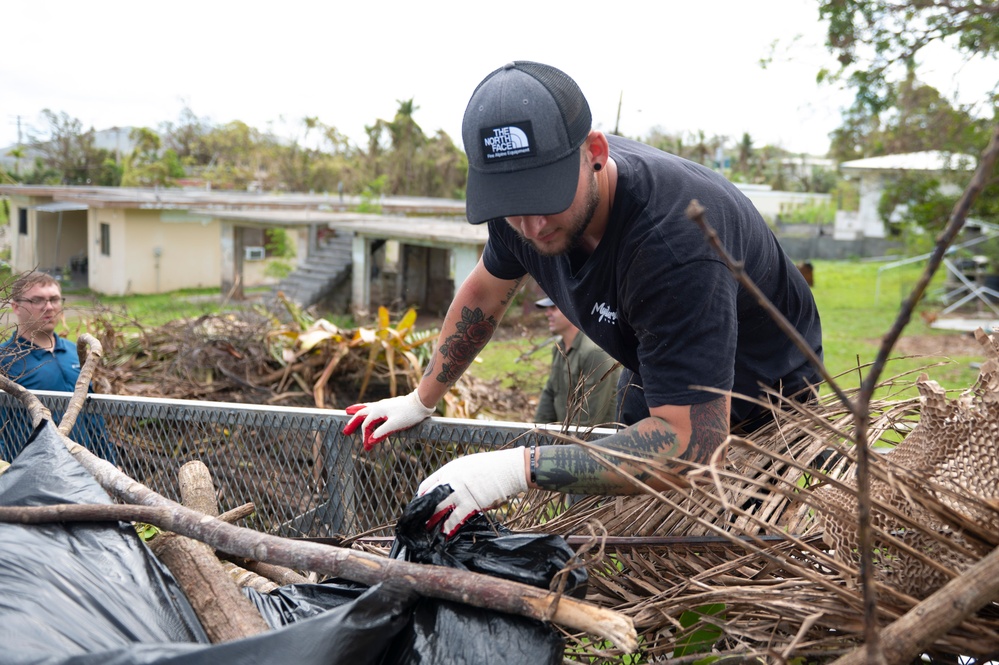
{"x":439,"y":582}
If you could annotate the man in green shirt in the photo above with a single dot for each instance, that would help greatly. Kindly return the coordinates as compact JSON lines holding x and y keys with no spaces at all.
{"x":583,"y":378}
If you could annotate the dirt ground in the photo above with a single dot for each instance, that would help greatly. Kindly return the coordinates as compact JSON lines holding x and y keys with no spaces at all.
{"x":947,"y":345}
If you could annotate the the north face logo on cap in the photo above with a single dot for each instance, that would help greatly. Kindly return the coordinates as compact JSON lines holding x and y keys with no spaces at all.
{"x":509,"y":141}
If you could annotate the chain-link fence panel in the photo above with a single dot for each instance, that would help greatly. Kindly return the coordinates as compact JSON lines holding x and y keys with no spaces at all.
{"x":303,"y":475}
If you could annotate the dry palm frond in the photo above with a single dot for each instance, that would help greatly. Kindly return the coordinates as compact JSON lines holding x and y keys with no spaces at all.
{"x":743,"y":543}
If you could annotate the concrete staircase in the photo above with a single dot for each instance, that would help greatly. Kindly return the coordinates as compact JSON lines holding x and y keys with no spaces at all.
{"x":327,"y":267}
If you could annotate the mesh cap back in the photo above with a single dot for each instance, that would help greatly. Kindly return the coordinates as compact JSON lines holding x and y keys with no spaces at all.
{"x":522,"y":131}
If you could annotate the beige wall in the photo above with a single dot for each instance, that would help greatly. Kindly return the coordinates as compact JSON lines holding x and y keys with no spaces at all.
{"x":22,"y":247}
{"x":153,"y":251}
{"x":39,"y":249}
{"x":190,"y":254}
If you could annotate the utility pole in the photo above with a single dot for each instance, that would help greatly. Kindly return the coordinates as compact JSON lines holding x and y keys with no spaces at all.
{"x":617,"y":121}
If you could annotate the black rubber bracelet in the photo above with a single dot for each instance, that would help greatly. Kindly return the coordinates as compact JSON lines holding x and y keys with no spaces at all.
{"x":533,"y":469}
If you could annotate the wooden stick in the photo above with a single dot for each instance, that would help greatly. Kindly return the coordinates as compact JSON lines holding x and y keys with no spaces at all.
{"x":90,"y":352}
{"x":225,"y":613}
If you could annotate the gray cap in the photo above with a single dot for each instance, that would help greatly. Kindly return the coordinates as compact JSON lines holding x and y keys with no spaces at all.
{"x":544,"y":303}
{"x":522,"y":130}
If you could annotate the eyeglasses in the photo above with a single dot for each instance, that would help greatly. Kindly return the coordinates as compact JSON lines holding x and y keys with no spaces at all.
{"x":56,"y":302}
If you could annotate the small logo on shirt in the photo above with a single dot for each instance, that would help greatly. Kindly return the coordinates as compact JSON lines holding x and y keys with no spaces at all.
{"x":513,"y":140}
{"x":604,"y":313}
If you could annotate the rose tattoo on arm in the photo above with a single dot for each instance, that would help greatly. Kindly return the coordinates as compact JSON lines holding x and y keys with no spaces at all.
{"x":458,"y":350}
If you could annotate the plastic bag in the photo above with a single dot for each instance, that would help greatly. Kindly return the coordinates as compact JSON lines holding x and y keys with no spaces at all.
{"x":93,"y":594}
{"x":448,"y":633}
{"x":443,"y":632}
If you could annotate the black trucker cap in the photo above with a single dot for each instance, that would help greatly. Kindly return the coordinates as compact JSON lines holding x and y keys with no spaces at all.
{"x":522,"y":130}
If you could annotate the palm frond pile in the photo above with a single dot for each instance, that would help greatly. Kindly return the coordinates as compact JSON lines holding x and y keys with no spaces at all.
{"x":755,"y":556}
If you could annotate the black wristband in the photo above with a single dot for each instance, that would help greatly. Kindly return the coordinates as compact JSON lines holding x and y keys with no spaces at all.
{"x":531,"y":467}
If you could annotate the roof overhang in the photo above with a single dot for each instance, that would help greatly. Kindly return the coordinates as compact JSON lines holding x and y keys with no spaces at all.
{"x":60,"y":206}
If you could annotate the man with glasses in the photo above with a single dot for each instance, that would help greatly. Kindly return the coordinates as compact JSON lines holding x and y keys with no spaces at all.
{"x":36,"y":357}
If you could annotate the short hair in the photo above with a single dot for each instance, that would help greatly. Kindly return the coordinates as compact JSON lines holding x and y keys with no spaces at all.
{"x":30,"y":280}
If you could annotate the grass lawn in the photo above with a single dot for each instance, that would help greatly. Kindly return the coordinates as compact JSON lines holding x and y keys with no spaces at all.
{"x":858,"y":310}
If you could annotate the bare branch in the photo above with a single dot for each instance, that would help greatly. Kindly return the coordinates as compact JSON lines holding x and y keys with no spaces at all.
{"x":90,"y":352}
{"x":451,"y":584}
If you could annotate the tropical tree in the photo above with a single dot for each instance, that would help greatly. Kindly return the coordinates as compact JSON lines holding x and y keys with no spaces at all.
{"x":919,"y":119}
{"x":187,"y":138}
{"x":235,"y":160}
{"x":878,"y":41}
{"x":145,"y":167}
{"x":69,"y":150}
{"x":18,"y":154}
{"x":411,"y":162}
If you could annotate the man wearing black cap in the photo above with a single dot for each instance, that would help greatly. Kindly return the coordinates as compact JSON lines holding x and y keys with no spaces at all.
{"x":580,"y":389}
{"x":599,"y":222}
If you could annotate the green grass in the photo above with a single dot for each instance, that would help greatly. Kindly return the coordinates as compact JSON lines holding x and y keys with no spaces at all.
{"x":858,"y":310}
{"x":499,"y":360}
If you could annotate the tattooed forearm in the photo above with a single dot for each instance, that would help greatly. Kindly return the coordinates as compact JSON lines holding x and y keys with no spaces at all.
{"x":572,"y":469}
{"x":459,"y":350}
{"x":709,"y":425}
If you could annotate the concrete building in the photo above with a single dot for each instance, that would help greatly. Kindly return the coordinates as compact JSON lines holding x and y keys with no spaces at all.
{"x":118,"y":241}
{"x":874,"y":173}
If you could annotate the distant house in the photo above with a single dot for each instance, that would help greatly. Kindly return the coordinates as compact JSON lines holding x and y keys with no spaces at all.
{"x":119,"y":240}
{"x":874,"y":172}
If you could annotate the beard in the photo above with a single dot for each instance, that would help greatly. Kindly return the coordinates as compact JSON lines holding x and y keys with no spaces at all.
{"x":575,"y":226}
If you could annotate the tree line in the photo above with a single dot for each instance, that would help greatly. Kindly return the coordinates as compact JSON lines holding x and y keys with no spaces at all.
{"x":876,"y":43}
{"x":399,"y":158}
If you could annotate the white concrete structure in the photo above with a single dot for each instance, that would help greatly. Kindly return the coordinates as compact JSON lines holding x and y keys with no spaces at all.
{"x":874,"y":172}
{"x":772,"y":204}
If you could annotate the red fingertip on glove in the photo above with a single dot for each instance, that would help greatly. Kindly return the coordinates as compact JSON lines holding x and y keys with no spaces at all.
{"x":370,"y":440}
{"x":354,"y":423}
{"x":438,"y":518}
{"x":449,"y":535}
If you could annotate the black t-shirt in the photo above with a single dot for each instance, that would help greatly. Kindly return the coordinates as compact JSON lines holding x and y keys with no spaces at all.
{"x":657,"y":297}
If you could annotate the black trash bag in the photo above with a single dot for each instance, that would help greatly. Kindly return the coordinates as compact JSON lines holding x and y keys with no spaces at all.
{"x":295,"y":602}
{"x":442,"y":632}
{"x":446,"y":633}
{"x":484,"y":547}
{"x":93,"y":594}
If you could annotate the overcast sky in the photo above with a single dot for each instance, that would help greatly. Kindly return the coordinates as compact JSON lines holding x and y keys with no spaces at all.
{"x":680,"y":65}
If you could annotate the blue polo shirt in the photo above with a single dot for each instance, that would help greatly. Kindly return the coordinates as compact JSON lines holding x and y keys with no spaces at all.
{"x":56,"y":369}
{"x":41,"y":369}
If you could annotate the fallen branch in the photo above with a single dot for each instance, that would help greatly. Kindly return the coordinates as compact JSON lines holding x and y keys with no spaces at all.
{"x":439,"y":582}
{"x":90,"y":352}
{"x":225,"y":613}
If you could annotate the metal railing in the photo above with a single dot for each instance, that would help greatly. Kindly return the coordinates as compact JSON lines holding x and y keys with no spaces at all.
{"x":303,"y":475}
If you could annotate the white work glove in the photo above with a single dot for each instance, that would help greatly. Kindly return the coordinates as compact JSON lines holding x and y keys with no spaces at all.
{"x":478,"y":482}
{"x":384,"y":418}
